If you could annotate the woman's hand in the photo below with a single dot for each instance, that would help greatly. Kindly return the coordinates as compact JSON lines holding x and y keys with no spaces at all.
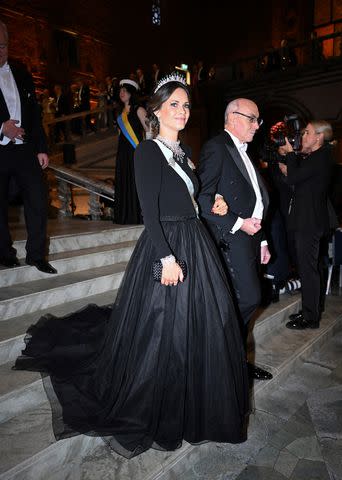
{"x":283,"y":168}
{"x":220,"y":207}
{"x":171,"y":274}
{"x":287,"y":147}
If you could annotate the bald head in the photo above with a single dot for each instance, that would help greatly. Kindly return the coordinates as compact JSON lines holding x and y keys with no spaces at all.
{"x":241,"y":119}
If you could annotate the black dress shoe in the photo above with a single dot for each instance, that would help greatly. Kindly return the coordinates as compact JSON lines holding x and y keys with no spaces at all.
{"x":9,"y":262}
{"x":41,"y":265}
{"x":300,"y":323}
{"x":295,"y":316}
{"x":258,"y":373}
{"x":275,"y":294}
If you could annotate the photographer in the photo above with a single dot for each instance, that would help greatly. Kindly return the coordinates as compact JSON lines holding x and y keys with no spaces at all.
{"x":277,"y":271}
{"x":309,"y":216}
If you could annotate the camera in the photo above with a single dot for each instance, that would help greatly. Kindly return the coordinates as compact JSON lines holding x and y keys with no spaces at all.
{"x":290,"y":128}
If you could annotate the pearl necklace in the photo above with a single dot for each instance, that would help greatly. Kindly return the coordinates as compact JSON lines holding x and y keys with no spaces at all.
{"x":174,"y":146}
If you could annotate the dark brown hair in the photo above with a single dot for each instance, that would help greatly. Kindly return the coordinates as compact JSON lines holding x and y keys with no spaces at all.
{"x":157,"y":100}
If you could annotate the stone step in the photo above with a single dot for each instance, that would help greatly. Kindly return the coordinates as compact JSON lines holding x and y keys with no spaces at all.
{"x":273,"y":316}
{"x":17,"y":392}
{"x":279,"y":350}
{"x":20,"y":390}
{"x":65,"y":243}
{"x":23,"y":391}
{"x":103,"y":158}
{"x":287,"y":349}
{"x":68,"y":262}
{"x":32,"y":296}
{"x":12,"y":342}
{"x":12,"y":330}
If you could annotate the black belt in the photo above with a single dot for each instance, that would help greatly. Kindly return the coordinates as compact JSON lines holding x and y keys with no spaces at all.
{"x":177,"y":218}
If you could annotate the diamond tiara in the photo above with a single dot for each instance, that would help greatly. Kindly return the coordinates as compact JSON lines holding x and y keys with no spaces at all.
{"x":174,"y":77}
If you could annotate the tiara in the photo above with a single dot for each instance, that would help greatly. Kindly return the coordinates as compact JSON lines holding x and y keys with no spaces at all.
{"x":174,"y":77}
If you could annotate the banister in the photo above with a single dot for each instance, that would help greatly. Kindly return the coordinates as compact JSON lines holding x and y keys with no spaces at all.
{"x":96,"y":187}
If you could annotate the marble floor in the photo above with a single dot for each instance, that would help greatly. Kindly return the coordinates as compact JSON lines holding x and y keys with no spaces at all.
{"x":295,"y":434}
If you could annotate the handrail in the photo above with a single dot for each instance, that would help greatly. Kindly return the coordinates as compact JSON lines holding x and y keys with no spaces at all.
{"x":292,"y":45}
{"x":72,"y":116}
{"x":237,"y":66}
{"x":77,"y":179}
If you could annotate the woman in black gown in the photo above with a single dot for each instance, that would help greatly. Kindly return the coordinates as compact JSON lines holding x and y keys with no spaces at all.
{"x":167,"y":363}
{"x":132,"y":124}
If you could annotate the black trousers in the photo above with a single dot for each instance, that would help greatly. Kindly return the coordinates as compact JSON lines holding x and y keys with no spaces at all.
{"x":310,"y":253}
{"x":278,"y":266}
{"x":241,"y":256}
{"x":20,"y":162}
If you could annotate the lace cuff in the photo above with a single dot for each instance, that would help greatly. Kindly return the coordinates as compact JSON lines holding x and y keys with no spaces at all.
{"x":167,"y":260}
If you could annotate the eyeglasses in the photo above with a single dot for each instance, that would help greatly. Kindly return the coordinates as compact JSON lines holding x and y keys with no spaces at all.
{"x":251,"y":119}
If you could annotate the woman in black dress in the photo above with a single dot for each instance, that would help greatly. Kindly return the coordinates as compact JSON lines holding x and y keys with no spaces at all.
{"x":168,"y":362}
{"x":132,"y":124}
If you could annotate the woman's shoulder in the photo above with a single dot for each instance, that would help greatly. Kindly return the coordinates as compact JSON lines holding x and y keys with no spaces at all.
{"x":135,"y":108}
{"x":147,"y":147}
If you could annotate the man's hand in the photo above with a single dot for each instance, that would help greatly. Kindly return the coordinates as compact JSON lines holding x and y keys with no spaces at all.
{"x":220,"y":207}
{"x":251,"y":226}
{"x":265,"y":254}
{"x":10,"y":130}
{"x":43,"y":160}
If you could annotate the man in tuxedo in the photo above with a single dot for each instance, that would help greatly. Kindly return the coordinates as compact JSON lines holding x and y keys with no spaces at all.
{"x":309,"y":217}
{"x":23,"y":156}
{"x":226,"y":169}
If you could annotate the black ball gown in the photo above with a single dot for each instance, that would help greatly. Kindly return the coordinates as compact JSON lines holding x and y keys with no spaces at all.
{"x":126,"y":202}
{"x":165,"y":363}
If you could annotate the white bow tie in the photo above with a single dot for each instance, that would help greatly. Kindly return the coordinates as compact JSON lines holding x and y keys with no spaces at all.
{"x":5,"y":68}
{"x":243,"y":147}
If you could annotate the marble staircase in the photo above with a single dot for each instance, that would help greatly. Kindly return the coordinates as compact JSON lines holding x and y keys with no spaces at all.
{"x":90,"y":268}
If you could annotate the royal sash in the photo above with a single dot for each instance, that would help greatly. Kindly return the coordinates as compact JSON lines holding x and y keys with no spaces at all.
{"x":127,"y":130}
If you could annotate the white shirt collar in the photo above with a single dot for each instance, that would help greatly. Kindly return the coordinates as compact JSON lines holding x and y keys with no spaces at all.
{"x":5,"y":68}
{"x":239,"y":145}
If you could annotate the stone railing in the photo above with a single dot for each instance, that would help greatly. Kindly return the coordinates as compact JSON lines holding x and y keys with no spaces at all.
{"x":78,"y":120}
{"x":67,"y":179}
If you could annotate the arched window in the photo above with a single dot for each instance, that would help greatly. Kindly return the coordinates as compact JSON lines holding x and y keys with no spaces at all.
{"x":156,"y":14}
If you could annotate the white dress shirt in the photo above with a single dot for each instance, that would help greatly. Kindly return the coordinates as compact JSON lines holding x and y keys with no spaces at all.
{"x":259,"y":206}
{"x":11,"y":95}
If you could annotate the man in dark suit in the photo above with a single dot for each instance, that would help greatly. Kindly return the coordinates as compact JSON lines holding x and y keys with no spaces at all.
{"x":23,"y":156}
{"x":309,"y":217}
{"x":61,"y":109}
{"x":202,"y":73}
{"x":83,"y":97}
{"x":157,"y":75}
{"x":226,"y":169}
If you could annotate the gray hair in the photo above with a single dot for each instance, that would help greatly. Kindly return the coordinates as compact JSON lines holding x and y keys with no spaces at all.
{"x":321,"y":126}
{"x":231,"y":107}
{"x":3,"y":26}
